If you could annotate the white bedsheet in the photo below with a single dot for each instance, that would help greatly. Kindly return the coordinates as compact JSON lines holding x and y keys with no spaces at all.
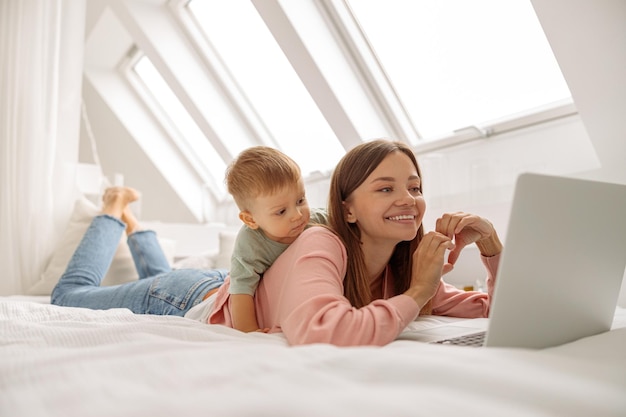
{"x":57,"y":361}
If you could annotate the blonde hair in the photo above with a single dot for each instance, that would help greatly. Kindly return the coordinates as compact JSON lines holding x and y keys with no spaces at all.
{"x":356,"y":165}
{"x":260,"y":171}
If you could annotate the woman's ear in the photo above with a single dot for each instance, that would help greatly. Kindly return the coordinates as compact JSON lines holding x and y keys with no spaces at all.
{"x":347,"y":213}
{"x":248,"y":220}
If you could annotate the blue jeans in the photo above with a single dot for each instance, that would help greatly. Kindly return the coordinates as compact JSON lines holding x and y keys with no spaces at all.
{"x":159,"y":289}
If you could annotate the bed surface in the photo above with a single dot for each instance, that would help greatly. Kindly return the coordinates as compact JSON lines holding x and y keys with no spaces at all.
{"x":60,"y":361}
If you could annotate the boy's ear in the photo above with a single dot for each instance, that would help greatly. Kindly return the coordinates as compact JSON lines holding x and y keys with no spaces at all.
{"x":248,"y":220}
{"x":347,"y":213}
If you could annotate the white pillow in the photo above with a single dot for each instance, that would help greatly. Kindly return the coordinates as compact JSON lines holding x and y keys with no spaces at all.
{"x":227,"y":245}
{"x":122,"y":268}
{"x":203,"y":261}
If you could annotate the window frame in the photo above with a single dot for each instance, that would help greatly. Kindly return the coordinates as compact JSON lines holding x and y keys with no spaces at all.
{"x":358,"y":47}
{"x":381,"y":98}
{"x":127,"y":68}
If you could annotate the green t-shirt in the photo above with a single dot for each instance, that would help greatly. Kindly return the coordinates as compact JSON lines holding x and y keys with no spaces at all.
{"x":254,"y":253}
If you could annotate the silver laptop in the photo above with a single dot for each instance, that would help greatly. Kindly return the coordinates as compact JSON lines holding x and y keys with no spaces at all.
{"x":561,"y":269}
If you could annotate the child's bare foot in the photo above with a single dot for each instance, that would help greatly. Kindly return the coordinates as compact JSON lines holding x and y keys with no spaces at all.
{"x":128,"y":217}
{"x":116,"y":199}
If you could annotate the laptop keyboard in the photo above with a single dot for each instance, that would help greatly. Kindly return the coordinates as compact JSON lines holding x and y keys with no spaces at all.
{"x":474,"y":339}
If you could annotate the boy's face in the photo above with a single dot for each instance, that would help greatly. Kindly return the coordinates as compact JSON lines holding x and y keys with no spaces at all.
{"x":282,"y":216}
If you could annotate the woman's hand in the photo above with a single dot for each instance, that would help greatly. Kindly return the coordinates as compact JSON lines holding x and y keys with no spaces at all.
{"x":466,"y":229}
{"x":428,"y":266}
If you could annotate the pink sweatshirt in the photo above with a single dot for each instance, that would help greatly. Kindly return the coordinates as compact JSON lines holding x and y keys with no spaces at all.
{"x":301,"y":295}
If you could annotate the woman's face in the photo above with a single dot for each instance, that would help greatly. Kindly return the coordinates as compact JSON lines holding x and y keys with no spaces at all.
{"x":388,"y":206}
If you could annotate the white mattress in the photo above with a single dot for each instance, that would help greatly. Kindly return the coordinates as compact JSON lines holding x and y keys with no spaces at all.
{"x":59,"y":361}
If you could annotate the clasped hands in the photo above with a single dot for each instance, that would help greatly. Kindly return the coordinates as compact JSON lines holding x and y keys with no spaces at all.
{"x":453,"y":232}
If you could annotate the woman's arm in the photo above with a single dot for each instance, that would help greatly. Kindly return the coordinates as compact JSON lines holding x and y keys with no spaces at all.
{"x":429,"y":265}
{"x":313,"y":308}
{"x":454,"y":302}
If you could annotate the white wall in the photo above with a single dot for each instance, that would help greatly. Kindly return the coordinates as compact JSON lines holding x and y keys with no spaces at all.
{"x":119,"y":153}
{"x":588,"y":39}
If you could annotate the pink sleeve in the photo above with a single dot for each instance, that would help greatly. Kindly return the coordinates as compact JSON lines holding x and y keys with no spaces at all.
{"x":313,"y":308}
{"x":451,"y":301}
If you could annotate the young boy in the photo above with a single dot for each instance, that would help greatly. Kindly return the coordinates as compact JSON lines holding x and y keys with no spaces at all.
{"x":268,"y":189}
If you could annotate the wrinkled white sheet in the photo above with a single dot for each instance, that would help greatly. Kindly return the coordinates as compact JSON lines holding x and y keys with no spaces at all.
{"x":57,"y":361}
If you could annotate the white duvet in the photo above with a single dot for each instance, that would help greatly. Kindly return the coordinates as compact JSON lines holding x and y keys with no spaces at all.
{"x":59,"y":361}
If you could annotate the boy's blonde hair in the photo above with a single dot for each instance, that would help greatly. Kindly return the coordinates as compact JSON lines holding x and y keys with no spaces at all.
{"x":260,"y":171}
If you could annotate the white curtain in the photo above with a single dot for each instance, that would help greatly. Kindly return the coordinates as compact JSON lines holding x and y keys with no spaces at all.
{"x":41,"y":56}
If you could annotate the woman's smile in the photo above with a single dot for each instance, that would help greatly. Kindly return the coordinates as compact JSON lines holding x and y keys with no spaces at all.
{"x":405,"y":218}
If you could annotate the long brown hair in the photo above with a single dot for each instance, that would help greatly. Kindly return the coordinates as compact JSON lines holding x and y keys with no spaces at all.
{"x":356,"y":165}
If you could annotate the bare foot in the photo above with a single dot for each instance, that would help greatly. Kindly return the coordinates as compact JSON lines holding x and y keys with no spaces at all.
{"x":116,"y":199}
{"x":128,"y":217}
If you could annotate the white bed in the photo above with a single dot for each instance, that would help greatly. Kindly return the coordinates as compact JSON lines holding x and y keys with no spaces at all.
{"x":70,"y":362}
{"x":60,"y":361}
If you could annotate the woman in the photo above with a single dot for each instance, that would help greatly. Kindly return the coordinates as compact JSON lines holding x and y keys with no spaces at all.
{"x":361,"y":281}
{"x":358,"y":282}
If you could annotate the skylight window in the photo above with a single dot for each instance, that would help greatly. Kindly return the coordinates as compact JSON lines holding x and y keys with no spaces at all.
{"x":459,"y":63}
{"x":265,"y":78}
{"x":183,"y":130}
